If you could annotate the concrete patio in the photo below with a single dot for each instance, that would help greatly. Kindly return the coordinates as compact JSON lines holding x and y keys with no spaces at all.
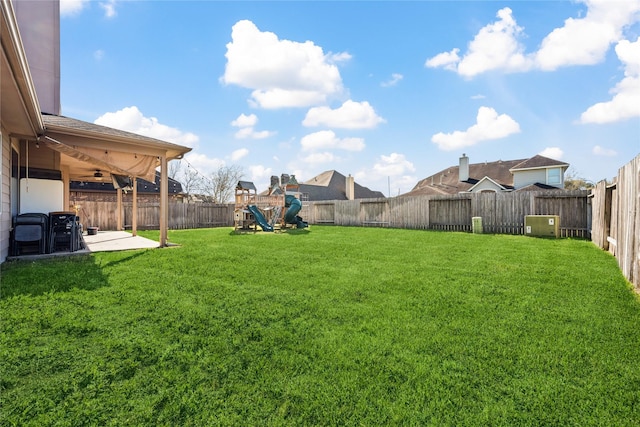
{"x":117,"y":241}
{"x":103,"y":241}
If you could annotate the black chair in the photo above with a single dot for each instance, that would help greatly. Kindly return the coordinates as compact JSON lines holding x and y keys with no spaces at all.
{"x":64,"y":232}
{"x":30,"y":234}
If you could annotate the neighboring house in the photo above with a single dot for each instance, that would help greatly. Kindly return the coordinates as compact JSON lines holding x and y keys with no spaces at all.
{"x":104,"y":191}
{"x":36,"y":139}
{"x":536,"y":173}
{"x":331,"y":185}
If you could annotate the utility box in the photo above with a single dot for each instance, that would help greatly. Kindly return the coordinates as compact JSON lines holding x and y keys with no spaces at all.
{"x":476,"y":223}
{"x":542,"y":225}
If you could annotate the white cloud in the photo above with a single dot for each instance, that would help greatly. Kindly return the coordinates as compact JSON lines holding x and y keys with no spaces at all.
{"x":478,"y":96}
{"x":245,"y":121}
{"x":260,"y":176}
{"x":72,"y":7}
{"x":489,"y":125}
{"x":259,"y":172}
{"x":552,"y":153}
{"x":253,"y":134}
{"x":327,"y":139}
{"x":494,"y":47}
{"x":601,"y":151}
{"x":203,"y":164}
{"x":109,"y":8}
{"x":585,"y":41}
{"x":446,"y":60}
{"x":351,"y":115}
{"x":282,"y":73}
{"x":246,"y":124}
{"x":394,"y":164}
{"x":239,"y":154}
{"x":580,"y":41}
{"x":130,"y":119}
{"x":395,"y":78}
{"x":390,"y":173}
{"x":625,"y":103}
{"x":98,"y":55}
{"x":320,"y":158}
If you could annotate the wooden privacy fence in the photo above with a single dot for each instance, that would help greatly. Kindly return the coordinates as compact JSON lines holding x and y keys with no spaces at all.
{"x":616,"y":219}
{"x":500,"y":212}
{"x":181,"y":215}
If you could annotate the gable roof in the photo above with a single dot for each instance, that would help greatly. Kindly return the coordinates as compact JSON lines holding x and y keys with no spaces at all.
{"x":331,"y":185}
{"x":538,"y":162}
{"x":447,"y":180}
{"x":492,"y":183}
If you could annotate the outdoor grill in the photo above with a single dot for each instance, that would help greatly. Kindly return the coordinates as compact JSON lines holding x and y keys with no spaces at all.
{"x":65,"y":232}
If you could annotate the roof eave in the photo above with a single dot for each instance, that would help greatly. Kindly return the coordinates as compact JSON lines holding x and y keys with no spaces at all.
{"x":13,"y":51}
{"x":173,"y":151}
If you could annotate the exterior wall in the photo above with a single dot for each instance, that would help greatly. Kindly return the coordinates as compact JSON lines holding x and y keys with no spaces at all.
{"x":524,"y":178}
{"x":5,"y":195}
{"x":486,"y":185}
{"x":39,"y":20}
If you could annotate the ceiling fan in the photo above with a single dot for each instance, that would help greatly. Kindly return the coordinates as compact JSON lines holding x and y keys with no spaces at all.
{"x":98,"y":175}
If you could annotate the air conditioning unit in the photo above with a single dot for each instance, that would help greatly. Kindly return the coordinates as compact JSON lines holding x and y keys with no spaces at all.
{"x":542,"y":225}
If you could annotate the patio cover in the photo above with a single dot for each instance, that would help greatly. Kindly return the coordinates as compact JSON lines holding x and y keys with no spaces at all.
{"x":86,"y":148}
{"x":115,"y":162}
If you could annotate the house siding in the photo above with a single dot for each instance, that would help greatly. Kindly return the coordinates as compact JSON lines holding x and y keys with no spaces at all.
{"x":5,"y":196}
{"x":524,"y":178}
{"x":486,"y":186}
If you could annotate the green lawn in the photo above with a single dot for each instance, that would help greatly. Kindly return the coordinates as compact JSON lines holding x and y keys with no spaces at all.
{"x":326,"y":326}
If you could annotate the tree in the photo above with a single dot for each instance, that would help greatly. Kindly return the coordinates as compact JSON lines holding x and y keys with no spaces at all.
{"x":221,"y":184}
{"x":191,"y":179}
{"x":573,"y":182}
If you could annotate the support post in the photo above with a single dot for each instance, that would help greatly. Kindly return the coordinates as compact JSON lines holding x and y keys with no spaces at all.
{"x":134,"y":208}
{"x":119,"y":209}
{"x":164,"y":201}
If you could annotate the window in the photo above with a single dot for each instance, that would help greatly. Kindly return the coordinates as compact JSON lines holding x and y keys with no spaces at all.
{"x":554,"y":176}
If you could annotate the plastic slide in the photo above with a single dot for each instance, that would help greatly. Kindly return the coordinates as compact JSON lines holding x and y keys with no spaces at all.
{"x":260,"y":219}
{"x":291,"y":216}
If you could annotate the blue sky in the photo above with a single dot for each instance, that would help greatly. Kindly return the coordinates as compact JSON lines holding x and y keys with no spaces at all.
{"x":389,"y":92}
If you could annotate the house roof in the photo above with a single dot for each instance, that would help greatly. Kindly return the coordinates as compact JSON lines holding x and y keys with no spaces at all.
{"x":331,"y":185}
{"x":73,"y":126}
{"x":446,"y":181}
{"x":86,"y":148}
{"x":143,"y":186}
{"x":494,"y":184}
{"x":537,"y":162}
{"x":246,"y":185}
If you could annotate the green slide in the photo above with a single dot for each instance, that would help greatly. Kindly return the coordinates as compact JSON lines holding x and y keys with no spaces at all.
{"x":291,"y":216}
{"x":260,"y":219}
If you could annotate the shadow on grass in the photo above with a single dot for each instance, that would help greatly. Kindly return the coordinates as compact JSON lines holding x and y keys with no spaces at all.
{"x":51,"y":276}
{"x":289,"y":231}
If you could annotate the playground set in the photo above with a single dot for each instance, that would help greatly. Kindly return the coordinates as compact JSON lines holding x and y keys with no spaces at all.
{"x":277,"y":210}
